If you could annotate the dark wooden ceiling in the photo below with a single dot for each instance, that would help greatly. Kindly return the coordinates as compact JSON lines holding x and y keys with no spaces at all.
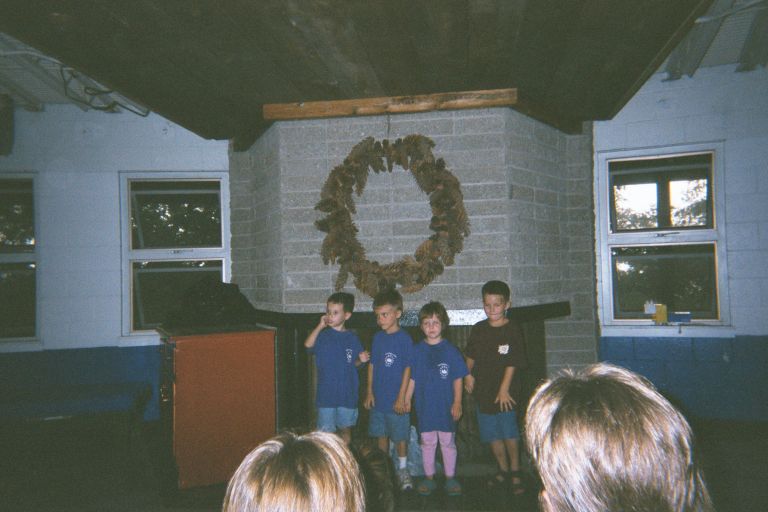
{"x":210,"y":66}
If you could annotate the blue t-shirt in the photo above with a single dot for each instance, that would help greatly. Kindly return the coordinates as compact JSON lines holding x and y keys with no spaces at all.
{"x":335,"y":355}
{"x":390,"y":356}
{"x":434,"y":368}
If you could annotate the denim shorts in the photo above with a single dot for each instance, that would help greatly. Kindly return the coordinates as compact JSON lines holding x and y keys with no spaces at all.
{"x":331,"y":419}
{"x":499,"y":426}
{"x":397,"y":427}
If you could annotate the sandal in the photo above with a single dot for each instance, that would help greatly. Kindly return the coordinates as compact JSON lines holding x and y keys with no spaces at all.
{"x":498,"y":480}
{"x":452,"y":487}
{"x":516,"y":482}
{"x":426,"y":486}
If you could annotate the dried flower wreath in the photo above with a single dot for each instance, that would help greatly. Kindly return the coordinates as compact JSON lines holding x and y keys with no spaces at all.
{"x":449,"y":218}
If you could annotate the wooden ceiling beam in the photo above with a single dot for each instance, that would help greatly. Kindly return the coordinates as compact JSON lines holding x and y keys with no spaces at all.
{"x":419,"y":103}
{"x":390,"y":105}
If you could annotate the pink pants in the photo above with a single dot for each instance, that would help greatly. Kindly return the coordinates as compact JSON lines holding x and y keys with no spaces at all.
{"x":447,"y":448}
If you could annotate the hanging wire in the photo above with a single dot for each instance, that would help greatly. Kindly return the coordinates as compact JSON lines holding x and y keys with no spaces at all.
{"x":92,"y":94}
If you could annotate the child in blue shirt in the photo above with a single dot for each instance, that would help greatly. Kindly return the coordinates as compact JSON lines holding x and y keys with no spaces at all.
{"x":389,"y":374}
{"x":437,"y":370}
{"x":338,"y":353}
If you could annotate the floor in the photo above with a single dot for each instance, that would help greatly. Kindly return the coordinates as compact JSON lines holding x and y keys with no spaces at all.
{"x":71,"y":465}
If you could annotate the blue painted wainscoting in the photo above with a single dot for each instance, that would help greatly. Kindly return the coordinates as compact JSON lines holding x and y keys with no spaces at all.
{"x":47,"y":373}
{"x":709,"y":378}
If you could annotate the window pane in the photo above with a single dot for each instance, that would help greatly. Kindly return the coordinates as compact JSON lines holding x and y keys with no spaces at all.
{"x":17,"y":226}
{"x":159,"y":286}
{"x":636,"y":206}
{"x":170,"y":214}
{"x":681,"y":276}
{"x":17,"y":300}
{"x":688,"y":202}
{"x":661,"y":193}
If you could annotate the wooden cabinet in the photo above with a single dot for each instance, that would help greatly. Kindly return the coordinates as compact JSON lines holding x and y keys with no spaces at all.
{"x":217,"y":403}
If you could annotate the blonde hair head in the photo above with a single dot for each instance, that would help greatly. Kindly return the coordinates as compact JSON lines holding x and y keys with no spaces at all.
{"x":314,"y":472}
{"x":603,"y":439}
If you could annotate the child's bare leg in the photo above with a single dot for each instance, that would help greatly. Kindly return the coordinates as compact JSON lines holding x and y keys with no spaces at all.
{"x":402,"y":449}
{"x":500,"y":454}
{"x":383,"y":444}
{"x":514,"y":464}
{"x":346,"y":434}
{"x":513,"y":454}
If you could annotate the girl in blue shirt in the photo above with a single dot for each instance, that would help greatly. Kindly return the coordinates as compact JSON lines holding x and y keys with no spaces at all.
{"x":437,"y":370}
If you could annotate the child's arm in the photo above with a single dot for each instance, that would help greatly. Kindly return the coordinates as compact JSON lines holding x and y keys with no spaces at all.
{"x":503,"y":398}
{"x":469,"y":379}
{"x":362,"y":358}
{"x":369,"y":399}
{"x":403,"y":404}
{"x":409,"y":391}
{"x":312,"y":338}
{"x":456,"y":407}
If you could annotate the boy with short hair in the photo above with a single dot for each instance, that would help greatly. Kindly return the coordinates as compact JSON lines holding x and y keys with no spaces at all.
{"x":389,"y":373}
{"x":495,"y":353}
{"x":338,"y":352}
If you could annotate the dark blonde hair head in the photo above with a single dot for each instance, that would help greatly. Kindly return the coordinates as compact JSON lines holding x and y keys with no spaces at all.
{"x":431,"y":309}
{"x":603,"y":439}
{"x":314,"y":472}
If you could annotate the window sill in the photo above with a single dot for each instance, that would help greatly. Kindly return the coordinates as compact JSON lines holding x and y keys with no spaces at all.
{"x":139,"y":339}
{"x":20,"y":345}
{"x":668,"y":331}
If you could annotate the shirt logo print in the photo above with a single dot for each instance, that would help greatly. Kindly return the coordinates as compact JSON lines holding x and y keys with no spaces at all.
{"x":389,"y":359}
{"x":443,"y":369}
{"x":349,"y":355}
{"x":504,"y":349}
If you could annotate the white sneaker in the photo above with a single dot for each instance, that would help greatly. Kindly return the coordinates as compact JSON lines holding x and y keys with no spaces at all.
{"x":406,"y":484}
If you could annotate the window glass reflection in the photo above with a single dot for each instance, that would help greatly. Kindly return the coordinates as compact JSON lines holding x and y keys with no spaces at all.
{"x":681,"y":276}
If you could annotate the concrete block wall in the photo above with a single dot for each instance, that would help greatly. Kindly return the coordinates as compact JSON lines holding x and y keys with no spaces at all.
{"x":714,"y":371}
{"x":521,"y":181}
{"x":720,"y":105}
{"x":76,"y":159}
{"x":551,"y":232}
{"x":256,"y":221}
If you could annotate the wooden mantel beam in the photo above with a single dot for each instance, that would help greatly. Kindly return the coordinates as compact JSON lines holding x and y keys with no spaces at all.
{"x":390,"y":105}
{"x":412,"y":104}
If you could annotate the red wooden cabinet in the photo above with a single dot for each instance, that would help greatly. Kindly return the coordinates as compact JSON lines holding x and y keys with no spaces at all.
{"x":218,"y":398}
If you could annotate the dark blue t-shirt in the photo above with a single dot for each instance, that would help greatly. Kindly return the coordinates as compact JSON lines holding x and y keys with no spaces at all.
{"x":434,"y":368}
{"x":335,"y":355}
{"x":390,"y":356}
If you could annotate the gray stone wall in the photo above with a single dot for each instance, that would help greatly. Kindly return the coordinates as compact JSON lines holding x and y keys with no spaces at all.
{"x":257,"y":222}
{"x":552,"y":232}
{"x":527,"y":190}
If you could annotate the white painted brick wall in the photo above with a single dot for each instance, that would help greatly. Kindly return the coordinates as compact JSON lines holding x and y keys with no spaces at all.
{"x":716,"y":104}
{"x":76,"y":157}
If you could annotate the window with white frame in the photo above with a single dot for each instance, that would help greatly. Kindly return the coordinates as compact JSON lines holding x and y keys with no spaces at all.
{"x":660,"y":234}
{"x":174,"y":237}
{"x":18,"y":262}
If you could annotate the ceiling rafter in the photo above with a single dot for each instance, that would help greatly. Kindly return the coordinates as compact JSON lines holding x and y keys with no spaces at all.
{"x":687,"y":57}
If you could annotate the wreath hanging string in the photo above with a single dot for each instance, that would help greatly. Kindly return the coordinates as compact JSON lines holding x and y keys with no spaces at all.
{"x":449,"y":218}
